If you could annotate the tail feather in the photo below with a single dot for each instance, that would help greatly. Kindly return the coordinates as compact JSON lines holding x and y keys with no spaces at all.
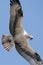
{"x":7,"y":42}
{"x":7,"y":46}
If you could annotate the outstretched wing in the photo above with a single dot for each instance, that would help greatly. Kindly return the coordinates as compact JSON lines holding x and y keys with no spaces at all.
{"x":28,"y":57}
{"x":7,"y":42}
{"x":16,"y":15}
{"x":28,"y":53}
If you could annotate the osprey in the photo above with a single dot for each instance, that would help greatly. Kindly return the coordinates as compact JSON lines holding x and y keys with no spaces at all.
{"x":19,"y":36}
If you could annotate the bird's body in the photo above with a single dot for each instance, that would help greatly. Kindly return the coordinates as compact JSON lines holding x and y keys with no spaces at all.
{"x":19,"y":35}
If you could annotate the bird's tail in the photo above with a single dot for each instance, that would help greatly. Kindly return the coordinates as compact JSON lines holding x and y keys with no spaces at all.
{"x":7,"y":42}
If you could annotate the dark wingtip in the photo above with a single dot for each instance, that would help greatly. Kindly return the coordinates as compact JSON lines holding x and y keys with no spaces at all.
{"x":14,"y":1}
{"x":37,"y":57}
{"x":20,"y":12}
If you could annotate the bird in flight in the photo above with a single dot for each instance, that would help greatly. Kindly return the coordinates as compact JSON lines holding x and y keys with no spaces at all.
{"x":19,"y":36}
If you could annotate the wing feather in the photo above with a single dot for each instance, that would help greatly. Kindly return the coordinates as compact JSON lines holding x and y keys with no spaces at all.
{"x":28,"y":57}
{"x":25,"y":50}
{"x":16,"y":15}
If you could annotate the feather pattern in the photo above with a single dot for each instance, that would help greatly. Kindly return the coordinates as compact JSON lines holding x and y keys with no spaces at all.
{"x":31,"y":59}
{"x":7,"y":42}
{"x":16,"y":15}
{"x":18,"y":37}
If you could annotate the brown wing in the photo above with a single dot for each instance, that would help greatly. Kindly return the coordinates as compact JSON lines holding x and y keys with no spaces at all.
{"x":22,"y":43}
{"x":27,"y":52}
{"x":7,"y":42}
{"x":16,"y":15}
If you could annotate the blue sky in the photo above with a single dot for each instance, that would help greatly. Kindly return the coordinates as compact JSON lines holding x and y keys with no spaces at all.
{"x":33,"y":24}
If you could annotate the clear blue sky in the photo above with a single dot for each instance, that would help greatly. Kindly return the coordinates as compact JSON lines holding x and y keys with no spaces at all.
{"x":33,"y":24}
